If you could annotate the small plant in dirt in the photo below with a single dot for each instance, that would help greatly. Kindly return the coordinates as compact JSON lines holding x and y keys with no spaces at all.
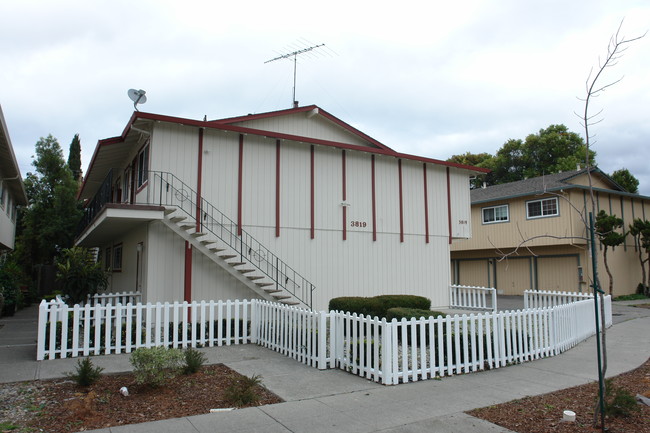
{"x":242,"y":391}
{"x":153,"y":366}
{"x":194,"y":360}
{"x":618,"y":401}
{"x":85,"y":373}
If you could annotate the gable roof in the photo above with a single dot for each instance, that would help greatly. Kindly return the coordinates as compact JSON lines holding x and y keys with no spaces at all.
{"x":109,"y":151}
{"x":541,"y":184}
{"x":311,"y":110}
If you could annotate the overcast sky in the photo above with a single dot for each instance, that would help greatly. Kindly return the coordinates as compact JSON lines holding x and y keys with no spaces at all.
{"x":427,"y":78}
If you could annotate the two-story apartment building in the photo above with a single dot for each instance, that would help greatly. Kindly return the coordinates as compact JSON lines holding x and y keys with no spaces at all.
{"x":532,"y":235}
{"x":294,"y":205}
{"x":12,"y":190}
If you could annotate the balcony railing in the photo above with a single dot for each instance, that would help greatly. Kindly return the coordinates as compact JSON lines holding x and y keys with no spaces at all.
{"x":165,"y":189}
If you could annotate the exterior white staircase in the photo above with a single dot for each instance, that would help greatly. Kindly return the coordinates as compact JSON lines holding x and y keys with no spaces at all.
{"x":237,"y":264}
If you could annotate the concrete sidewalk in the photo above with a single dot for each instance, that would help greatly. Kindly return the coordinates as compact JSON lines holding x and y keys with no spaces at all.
{"x":333,"y":400}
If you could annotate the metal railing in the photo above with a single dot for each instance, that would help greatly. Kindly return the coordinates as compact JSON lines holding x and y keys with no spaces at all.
{"x":165,"y":189}
{"x":101,"y":198}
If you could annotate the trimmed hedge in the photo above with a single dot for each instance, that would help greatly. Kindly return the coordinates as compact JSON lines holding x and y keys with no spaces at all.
{"x":400,"y":313}
{"x":378,"y":305}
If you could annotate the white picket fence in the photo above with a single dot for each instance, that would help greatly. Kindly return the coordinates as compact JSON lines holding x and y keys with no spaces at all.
{"x":114,"y":298}
{"x":472,"y":297}
{"x":385,"y":352}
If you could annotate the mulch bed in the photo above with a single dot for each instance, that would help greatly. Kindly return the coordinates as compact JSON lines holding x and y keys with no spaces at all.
{"x":543,"y":413}
{"x":61,"y":406}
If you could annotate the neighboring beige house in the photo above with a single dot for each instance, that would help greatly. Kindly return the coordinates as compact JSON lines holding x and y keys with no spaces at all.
{"x":546,"y":211}
{"x":12,"y":190}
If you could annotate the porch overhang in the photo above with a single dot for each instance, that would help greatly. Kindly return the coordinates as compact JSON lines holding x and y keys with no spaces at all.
{"x":114,"y":220}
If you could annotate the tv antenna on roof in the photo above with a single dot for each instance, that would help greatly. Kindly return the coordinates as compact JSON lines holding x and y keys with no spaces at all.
{"x":295,"y":54}
{"x":137,"y":96}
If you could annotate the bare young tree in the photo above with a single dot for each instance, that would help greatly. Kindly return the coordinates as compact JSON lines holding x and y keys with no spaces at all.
{"x":617,"y":46}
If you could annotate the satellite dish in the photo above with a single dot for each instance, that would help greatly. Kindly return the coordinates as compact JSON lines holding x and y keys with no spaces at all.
{"x":137,"y":96}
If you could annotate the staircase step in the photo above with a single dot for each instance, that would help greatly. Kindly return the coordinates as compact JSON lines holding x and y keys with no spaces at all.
{"x":287,"y":302}
{"x":270,"y":290}
{"x":280,"y":297}
{"x":265,"y":285}
{"x":187,"y":226}
{"x":217,"y":249}
{"x":228,"y":256}
{"x":254,"y":277}
{"x":170,"y":210}
{"x":245,"y":271}
{"x":177,"y":219}
{"x":198,"y":234}
{"x":235,"y":264}
{"x":208,"y":242}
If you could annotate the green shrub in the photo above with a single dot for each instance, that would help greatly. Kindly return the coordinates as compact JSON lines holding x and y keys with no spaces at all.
{"x":86,"y":373}
{"x":400,"y":313}
{"x":618,"y":401}
{"x":387,"y":302}
{"x":355,"y":304}
{"x":378,"y":305}
{"x":194,"y":360}
{"x":154,"y":365}
{"x":242,"y":391}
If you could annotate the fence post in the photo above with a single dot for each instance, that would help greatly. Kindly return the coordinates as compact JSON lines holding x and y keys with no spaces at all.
{"x":322,"y":340}
{"x":40,"y":342}
{"x":386,"y":353}
{"x":254,"y":320}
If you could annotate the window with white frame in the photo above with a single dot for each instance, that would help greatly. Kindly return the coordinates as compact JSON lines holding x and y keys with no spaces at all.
{"x":117,"y":258}
{"x":143,"y":165}
{"x":496,"y":214}
{"x":545,"y":207}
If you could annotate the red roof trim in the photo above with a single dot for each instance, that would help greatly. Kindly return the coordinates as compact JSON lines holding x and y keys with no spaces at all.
{"x":224,"y":126}
{"x":307,"y":108}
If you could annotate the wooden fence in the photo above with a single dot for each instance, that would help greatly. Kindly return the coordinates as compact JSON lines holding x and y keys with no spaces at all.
{"x":385,"y":352}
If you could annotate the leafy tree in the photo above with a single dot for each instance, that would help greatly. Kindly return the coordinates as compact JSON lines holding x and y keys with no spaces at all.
{"x":640,"y":231}
{"x":624,"y":178}
{"x":50,"y":219}
{"x":10,"y":279}
{"x":483,"y":160}
{"x":74,"y":158}
{"x":79,"y":274}
{"x":551,"y":150}
{"x":606,"y":230}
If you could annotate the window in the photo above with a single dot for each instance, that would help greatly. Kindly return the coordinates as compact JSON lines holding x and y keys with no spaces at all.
{"x":542,"y":208}
{"x":117,"y":257}
{"x":495,"y":214}
{"x":143,"y":165}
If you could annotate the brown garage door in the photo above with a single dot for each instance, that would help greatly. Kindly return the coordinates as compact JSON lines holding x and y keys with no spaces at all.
{"x":557,"y":273}
{"x":513,"y":276}
{"x":473,"y":273}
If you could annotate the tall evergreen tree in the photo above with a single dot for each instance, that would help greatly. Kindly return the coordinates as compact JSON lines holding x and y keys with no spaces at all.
{"x":624,"y":178}
{"x":74,"y":158}
{"x":49,"y":221}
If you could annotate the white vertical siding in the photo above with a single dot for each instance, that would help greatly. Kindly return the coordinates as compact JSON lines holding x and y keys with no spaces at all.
{"x":211,"y":281}
{"x":461,"y":221}
{"x":174,"y":148}
{"x":295,"y":185}
{"x":387,"y":194}
{"x":359,"y":192}
{"x":328,"y":189}
{"x":258,"y":182}
{"x":437,"y":191}
{"x":300,"y":124}
{"x":166,"y":264}
{"x":413,"y":198}
{"x":220,"y":171}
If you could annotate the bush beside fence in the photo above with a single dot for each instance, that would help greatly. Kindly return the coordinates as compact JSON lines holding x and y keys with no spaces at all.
{"x":388,"y":352}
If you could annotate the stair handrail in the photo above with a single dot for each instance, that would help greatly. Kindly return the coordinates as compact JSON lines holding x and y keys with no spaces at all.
{"x":172,"y":191}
